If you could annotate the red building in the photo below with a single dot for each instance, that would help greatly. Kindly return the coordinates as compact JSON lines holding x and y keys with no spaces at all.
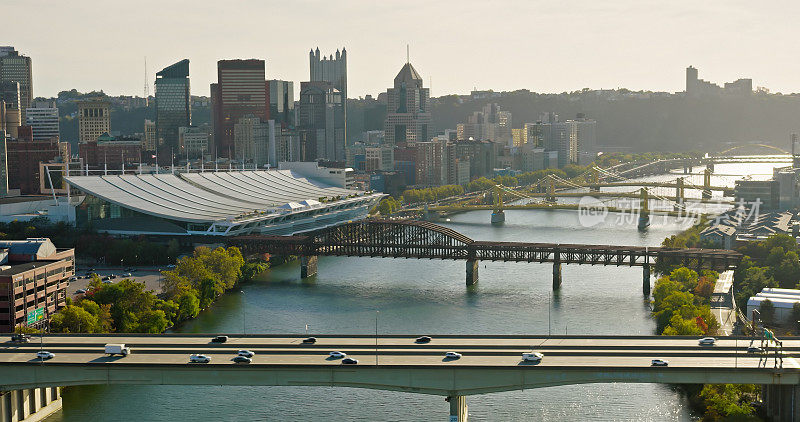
{"x":24,"y":157}
{"x":33,"y":285}
{"x":241,"y":90}
{"x":109,"y":152}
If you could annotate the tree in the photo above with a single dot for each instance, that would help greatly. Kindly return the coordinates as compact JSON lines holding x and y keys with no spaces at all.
{"x":189,"y":305}
{"x":796,"y":316}
{"x":74,"y":319}
{"x":767,"y":311}
{"x":152,"y":321}
{"x":679,"y":326}
{"x":705,"y":288}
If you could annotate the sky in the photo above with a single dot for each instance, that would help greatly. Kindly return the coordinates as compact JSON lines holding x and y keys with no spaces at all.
{"x":456,"y":45}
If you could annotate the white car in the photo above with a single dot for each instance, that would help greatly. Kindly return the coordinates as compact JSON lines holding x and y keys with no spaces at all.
{"x":532,"y":357}
{"x":246,"y":353}
{"x":659,"y":362}
{"x":452,"y":355}
{"x":199,"y":359}
{"x":337,"y":355}
{"x":707,"y":341}
{"x":43,"y":354}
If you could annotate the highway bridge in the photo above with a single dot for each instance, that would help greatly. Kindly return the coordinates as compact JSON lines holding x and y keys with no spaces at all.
{"x":489,"y":363}
{"x":425,"y":240}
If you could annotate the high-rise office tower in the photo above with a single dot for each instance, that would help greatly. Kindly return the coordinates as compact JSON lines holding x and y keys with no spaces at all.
{"x":42,"y":117}
{"x":94,"y":120}
{"x":408,"y":116}
{"x":281,"y":101}
{"x":150,"y":141}
{"x":241,"y":90}
{"x":331,"y":69}
{"x":320,"y":122}
{"x":17,"y":68}
{"x":173,"y":106}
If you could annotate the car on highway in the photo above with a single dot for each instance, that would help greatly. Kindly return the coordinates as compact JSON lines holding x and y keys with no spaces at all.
{"x":80,"y":291}
{"x":242,"y":359}
{"x":199,"y":359}
{"x":659,"y":362}
{"x":310,"y":340}
{"x":219,"y":339}
{"x":452,"y":355}
{"x":423,"y":339}
{"x":20,"y":338}
{"x":755,"y":349}
{"x":532,"y":357}
{"x":44,"y":354}
{"x":707,"y":341}
{"x":337,"y":355}
{"x":349,"y":361}
{"x":246,"y":353}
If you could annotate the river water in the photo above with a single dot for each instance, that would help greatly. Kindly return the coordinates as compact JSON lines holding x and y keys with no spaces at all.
{"x":427,"y":297}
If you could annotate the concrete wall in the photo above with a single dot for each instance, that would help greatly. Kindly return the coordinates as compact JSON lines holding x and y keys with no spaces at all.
{"x":29,"y":405}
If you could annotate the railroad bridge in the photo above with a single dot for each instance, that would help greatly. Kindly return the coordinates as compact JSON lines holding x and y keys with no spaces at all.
{"x":425,"y":240}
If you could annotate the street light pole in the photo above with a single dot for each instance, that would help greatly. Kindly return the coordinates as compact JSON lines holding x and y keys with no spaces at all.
{"x":376,"y":337}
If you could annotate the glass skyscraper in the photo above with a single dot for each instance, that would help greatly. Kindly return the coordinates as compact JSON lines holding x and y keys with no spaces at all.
{"x":173,"y":107}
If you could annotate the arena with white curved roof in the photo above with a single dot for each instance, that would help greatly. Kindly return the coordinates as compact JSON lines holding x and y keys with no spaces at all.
{"x":226,"y":203}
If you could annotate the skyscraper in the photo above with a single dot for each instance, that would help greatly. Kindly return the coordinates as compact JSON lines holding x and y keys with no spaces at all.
{"x":17,"y":68}
{"x":334,"y":70}
{"x":94,"y":120}
{"x":281,"y":101}
{"x":408,"y":115}
{"x":42,"y":117}
{"x":173,"y":106}
{"x":241,"y":90}
{"x":320,"y":122}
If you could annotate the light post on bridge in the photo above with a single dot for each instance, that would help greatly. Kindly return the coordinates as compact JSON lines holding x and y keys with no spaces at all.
{"x":376,"y":337}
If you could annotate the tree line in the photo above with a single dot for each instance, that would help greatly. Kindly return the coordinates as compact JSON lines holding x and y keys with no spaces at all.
{"x":127,"y":307}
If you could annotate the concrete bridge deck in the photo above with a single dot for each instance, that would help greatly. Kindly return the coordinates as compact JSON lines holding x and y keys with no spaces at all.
{"x":489,"y":363}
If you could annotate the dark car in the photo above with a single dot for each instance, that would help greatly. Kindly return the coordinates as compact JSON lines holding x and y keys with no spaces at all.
{"x":349,"y":361}
{"x":242,"y":359}
{"x":20,"y":338}
{"x":219,"y":339}
{"x":310,"y":340}
{"x":113,"y":276}
{"x":423,"y":339}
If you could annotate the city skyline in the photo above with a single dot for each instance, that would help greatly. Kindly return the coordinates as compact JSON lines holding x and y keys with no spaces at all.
{"x":604,"y":48}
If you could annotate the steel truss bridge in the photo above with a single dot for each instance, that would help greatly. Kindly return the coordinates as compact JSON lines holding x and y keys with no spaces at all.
{"x":425,"y":240}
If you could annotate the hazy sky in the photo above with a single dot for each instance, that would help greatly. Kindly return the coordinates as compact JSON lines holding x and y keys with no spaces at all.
{"x":544,"y":46}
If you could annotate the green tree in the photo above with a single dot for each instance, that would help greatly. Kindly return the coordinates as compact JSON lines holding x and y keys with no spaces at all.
{"x":767,"y":311}
{"x":74,"y":319}
{"x":189,"y":305}
{"x":152,"y":321}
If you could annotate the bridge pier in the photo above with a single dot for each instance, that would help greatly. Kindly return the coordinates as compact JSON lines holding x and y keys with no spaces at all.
{"x":458,"y":408}
{"x":308,"y":266}
{"x":557,"y":272}
{"x":32,"y":404}
{"x":646,"y":280}
{"x":472,"y":272}
{"x":781,"y":402}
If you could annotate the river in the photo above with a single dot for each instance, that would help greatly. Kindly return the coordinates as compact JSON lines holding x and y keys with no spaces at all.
{"x":426,"y":297}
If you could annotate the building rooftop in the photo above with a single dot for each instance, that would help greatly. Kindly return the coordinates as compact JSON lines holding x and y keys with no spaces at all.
{"x":207,"y":197}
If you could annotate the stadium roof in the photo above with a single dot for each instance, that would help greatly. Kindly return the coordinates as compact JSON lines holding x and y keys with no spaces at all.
{"x":209,"y":196}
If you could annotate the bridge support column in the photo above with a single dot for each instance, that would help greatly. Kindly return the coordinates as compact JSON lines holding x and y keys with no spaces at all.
{"x":458,"y":408}
{"x":30,"y":404}
{"x":557,"y":273}
{"x":781,"y":402}
{"x":472,"y":272}
{"x":308,"y":266}
{"x":646,"y":280}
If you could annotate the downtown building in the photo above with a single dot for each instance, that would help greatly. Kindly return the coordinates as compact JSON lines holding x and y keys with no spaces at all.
{"x":173,"y":108}
{"x":281,"y":102}
{"x":241,"y":91}
{"x":321,"y":122}
{"x":490,"y":123}
{"x":94,"y":119}
{"x":34,"y":275}
{"x":15,"y":67}
{"x":42,"y":117}
{"x":331,"y":69}
{"x":408,"y":116}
